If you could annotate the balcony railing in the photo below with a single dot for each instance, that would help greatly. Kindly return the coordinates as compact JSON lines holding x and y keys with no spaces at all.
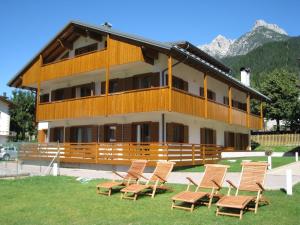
{"x":123,"y":153}
{"x":143,"y":100}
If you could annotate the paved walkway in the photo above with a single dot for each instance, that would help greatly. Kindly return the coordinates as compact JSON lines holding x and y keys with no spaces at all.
{"x":275,"y":178}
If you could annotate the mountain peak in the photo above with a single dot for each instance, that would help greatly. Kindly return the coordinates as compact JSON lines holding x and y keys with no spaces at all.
{"x":274,"y":27}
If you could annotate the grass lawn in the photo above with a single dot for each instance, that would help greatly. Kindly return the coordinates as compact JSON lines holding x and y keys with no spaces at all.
{"x":262,"y":148}
{"x":236,"y":166}
{"x":63,"y":200}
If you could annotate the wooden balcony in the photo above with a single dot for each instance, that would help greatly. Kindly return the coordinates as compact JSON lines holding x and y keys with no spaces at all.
{"x":143,"y":100}
{"x":122,"y":153}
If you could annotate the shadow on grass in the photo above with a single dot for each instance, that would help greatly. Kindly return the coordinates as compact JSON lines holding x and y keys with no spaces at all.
{"x":292,"y":152}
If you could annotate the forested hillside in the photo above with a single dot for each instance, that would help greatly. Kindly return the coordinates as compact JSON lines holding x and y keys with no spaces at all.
{"x":266,"y":58}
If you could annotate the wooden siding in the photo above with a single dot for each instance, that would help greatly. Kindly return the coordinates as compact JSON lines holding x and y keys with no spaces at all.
{"x":217,"y":111}
{"x":239,"y":117}
{"x":186,"y":103}
{"x":255,"y":122}
{"x":75,"y":108}
{"x":30,"y":77}
{"x":146,"y":100}
{"x":79,"y":64}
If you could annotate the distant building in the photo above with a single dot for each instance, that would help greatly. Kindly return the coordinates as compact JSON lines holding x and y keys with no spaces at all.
{"x":4,"y":119}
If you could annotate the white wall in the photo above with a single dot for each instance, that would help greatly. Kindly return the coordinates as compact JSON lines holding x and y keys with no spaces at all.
{"x":4,"y":119}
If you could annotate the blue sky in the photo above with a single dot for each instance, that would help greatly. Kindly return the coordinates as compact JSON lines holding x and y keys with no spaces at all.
{"x":26,"y":26}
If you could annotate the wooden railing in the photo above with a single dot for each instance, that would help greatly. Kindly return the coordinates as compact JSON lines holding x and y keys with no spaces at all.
{"x":277,"y":139}
{"x":142,"y":100}
{"x":123,"y":153}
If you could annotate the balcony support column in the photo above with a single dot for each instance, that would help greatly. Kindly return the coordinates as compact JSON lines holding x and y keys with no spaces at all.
{"x":38,"y":93}
{"x":205,"y":94}
{"x":170,"y":81}
{"x":230,"y":104}
{"x":248,"y":111}
{"x":261,"y":116}
{"x":107,"y":74}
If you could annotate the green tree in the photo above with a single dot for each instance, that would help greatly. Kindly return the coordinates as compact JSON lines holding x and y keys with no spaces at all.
{"x":22,"y":114}
{"x":280,"y":87}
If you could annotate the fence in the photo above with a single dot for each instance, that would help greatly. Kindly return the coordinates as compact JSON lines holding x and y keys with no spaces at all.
{"x":277,"y":139}
{"x":122,"y":153}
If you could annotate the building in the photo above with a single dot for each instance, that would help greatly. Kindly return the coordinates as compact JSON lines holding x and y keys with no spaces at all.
{"x":4,"y":119}
{"x":96,"y":84}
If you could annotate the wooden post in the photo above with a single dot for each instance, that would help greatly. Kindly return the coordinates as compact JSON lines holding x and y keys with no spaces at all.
{"x":205,"y":94}
{"x":107,"y":74}
{"x":261,"y":116}
{"x":248,"y":110}
{"x":193,"y":154}
{"x":38,"y":89}
{"x":170,"y":81}
{"x":230,"y":104}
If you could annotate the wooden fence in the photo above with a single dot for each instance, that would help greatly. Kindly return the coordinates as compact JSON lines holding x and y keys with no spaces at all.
{"x":122,"y":153}
{"x":277,"y":139}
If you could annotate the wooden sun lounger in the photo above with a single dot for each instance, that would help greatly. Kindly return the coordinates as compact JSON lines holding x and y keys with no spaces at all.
{"x":212,"y":180}
{"x":133,"y":174}
{"x":156,"y":181}
{"x":252,"y":180}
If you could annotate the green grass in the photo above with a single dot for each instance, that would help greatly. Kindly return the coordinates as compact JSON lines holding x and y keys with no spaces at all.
{"x":63,"y":200}
{"x":236,"y":166}
{"x":262,"y":148}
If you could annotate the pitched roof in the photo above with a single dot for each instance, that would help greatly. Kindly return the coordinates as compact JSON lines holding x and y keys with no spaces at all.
{"x":183,"y":48}
{"x":5,"y":100}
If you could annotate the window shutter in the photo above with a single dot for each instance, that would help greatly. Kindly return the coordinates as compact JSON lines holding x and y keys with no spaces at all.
{"x":214,"y":137}
{"x":202,"y":135}
{"x":169,"y":132}
{"x":225,"y":100}
{"x":134,"y":132}
{"x":94,"y":133}
{"x":155,"y":79}
{"x":127,"y":132}
{"x":67,"y":93}
{"x":154,"y":131}
{"x":186,"y":134}
{"x":52,"y":134}
{"x":128,"y":83}
{"x":103,"y":87}
{"x":185,"y":86}
{"x":101,"y":133}
{"x":226,"y":138}
{"x":67,"y":134}
{"x":119,"y":133}
{"x":201,"y":91}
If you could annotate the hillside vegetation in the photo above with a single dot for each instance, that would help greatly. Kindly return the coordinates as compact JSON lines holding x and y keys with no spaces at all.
{"x":266,"y":58}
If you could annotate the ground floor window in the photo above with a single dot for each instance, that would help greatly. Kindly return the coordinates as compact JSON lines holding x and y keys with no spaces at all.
{"x":238,"y":141}
{"x":208,"y":136}
{"x":177,"y":132}
{"x":57,"y":134}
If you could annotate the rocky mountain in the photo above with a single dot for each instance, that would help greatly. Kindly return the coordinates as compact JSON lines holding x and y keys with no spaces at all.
{"x":261,"y":33}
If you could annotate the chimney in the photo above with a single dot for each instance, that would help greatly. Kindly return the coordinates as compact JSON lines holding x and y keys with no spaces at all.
{"x":4,"y":95}
{"x":107,"y":25}
{"x":245,"y":76}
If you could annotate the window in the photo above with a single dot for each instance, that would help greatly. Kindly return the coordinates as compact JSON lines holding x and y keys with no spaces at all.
{"x":44,"y":98}
{"x":87,"y":90}
{"x":64,"y":56}
{"x":210,"y":94}
{"x":178,"y":83}
{"x":82,"y":134}
{"x":86,"y":49}
{"x":177,"y":133}
{"x":57,"y":134}
{"x":111,"y":134}
{"x":113,"y":86}
{"x":208,"y":136}
{"x":58,"y":94}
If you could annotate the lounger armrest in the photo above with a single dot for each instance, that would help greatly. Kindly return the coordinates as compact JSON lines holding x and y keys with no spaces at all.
{"x":160,"y":178}
{"x":217,"y":184}
{"x":118,"y":174}
{"x":231,"y":184}
{"x":260,"y":186}
{"x":191,"y":180}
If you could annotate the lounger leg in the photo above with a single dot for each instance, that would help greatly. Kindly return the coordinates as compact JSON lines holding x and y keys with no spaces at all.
{"x":173,"y":203}
{"x":122,"y":195}
{"x":153,"y":192}
{"x":135,"y":197}
{"x":192,"y":207}
{"x":210,"y":201}
{"x":217,"y":212}
{"x":241,"y":214}
{"x":109,"y":191}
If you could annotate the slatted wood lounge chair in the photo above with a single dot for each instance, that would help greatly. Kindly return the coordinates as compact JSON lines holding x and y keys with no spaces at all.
{"x":210,"y":185}
{"x":252,"y":180}
{"x":157,"y":181}
{"x":133,"y":174}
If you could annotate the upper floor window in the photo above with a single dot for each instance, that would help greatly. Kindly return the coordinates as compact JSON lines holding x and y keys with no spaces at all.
{"x":44,"y":98}
{"x":86,"y":49}
{"x":211,"y":95}
{"x":87,"y":90}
